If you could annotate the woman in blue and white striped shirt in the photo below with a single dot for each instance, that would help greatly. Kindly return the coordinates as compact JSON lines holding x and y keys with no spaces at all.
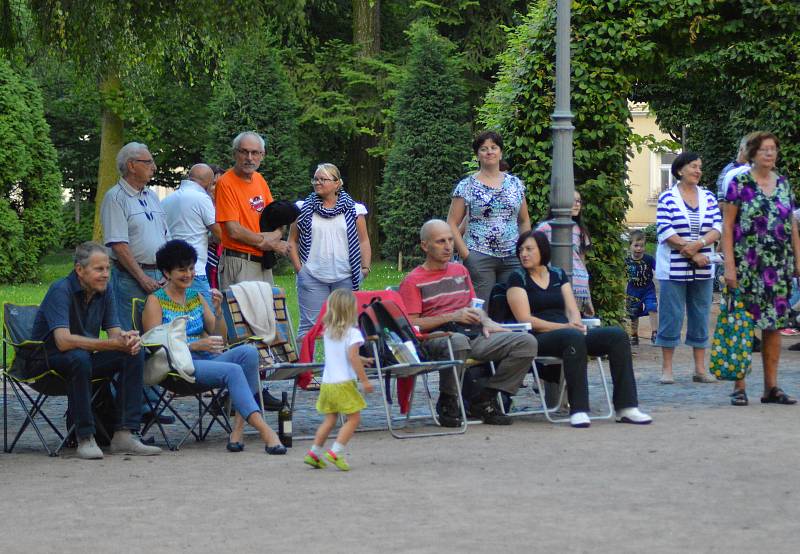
{"x":689,"y":223}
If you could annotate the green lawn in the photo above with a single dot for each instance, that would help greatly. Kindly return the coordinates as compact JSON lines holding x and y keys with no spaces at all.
{"x":59,"y":264}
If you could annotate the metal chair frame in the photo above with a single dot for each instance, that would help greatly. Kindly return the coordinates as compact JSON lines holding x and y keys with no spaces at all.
{"x":412,"y":370}
{"x":174,"y":386}
{"x":562,"y":387}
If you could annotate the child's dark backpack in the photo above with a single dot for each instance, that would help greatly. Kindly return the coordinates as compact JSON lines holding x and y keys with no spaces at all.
{"x":378,"y":319}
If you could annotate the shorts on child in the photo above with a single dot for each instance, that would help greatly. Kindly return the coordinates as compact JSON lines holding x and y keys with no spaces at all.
{"x":642,"y":301}
{"x":340,"y":398}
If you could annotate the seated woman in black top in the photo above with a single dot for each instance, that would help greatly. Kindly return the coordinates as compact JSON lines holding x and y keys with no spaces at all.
{"x":543,"y":297}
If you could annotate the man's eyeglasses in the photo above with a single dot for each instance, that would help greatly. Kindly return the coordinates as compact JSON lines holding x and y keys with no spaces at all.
{"x":146,"y":162}
{"x":247,"y":153}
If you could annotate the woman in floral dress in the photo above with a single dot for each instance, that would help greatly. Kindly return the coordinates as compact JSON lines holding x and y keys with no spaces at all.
{"x":762,"y":251}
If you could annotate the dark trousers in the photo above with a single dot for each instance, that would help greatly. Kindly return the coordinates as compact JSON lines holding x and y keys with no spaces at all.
{"x":573,"y":347}
{"x":78,"y":367}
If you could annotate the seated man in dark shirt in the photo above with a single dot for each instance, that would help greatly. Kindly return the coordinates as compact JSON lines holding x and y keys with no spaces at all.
{"x":69,"y":322}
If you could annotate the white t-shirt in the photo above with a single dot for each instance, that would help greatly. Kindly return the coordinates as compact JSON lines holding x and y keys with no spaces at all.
{"x":329,"y":258}
{"x":190,"y":212}
{"x":337,"y":366}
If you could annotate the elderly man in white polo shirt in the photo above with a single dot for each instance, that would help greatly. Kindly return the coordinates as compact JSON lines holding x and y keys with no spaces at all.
{"x":134,"y":227}
{"x":191,"y":216}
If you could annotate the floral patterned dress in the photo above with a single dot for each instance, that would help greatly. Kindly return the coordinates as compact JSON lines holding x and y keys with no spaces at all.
{"x":762,"y":248}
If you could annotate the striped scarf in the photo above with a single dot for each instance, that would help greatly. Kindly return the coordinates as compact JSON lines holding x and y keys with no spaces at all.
{"x":344,"y":205}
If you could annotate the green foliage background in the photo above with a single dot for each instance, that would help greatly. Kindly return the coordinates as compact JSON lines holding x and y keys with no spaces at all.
{"x":29,"y":178}
{"x":258,"y":97}
{"x":430,"y":142}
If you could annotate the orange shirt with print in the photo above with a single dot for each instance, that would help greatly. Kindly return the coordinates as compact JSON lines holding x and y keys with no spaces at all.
{"x":242,"y":201}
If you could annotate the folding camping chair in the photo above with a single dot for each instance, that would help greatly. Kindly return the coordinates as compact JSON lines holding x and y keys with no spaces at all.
{"x":542,"y":361}
{"x":376,"y":342}
{"x":175,"y":386}
{"x":279,"y":359}
{"x":46,"y":383}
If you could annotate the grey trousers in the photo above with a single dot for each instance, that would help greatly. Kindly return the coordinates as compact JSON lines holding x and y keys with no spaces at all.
{"x":512,"y":354}
{"x":486,"y":270}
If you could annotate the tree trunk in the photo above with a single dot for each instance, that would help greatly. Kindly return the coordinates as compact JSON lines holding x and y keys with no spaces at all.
{"x":110,"y":143}
{"x":364,"y":171}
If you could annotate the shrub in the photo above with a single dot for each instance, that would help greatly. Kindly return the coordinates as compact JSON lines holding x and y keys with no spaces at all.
{"x":29,"y":178}
{"x":430,"y":142}
{"x":255,"y":95}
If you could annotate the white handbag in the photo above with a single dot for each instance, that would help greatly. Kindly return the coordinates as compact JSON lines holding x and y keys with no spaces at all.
{"x":172,"y":338}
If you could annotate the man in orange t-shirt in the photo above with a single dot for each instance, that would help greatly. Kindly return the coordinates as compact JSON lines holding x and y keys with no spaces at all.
{"x":241,"y":195}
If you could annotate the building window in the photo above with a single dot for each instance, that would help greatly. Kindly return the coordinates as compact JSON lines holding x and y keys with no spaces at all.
{"x":660,"y":173}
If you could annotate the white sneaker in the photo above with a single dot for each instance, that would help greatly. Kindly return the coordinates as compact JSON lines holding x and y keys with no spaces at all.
{"x":633,"y":415}
{"x":125,"y":442}
{"x":88,"y":449}
{"x":580,"y":419}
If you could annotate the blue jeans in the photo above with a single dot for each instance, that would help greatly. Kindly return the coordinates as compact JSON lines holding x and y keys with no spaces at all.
{"x":236,"y":369}
{"x":677,"y":297}
{"x":200,"y":286}
{"x":311,"y":295}
{"x":78,"y":367}
{"x":126,"y":288}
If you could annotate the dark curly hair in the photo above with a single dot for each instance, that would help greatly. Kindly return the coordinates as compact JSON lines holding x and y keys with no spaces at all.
{"x":174,"y":254}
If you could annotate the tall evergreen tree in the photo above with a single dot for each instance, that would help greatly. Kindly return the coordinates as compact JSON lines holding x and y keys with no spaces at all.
{"x":431,"y":141}
{"x":255,"y":95}
{"x":30,"y":183}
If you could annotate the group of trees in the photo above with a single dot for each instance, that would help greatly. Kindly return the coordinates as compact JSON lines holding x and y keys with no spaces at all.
{"x":391,"y":92}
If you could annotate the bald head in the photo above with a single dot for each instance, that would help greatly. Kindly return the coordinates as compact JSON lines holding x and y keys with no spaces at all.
{"x":432,"y":227}
{"x":201,"y":174}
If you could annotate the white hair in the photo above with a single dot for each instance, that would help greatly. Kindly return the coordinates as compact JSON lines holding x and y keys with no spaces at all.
{"x":242,"y":135}
{"x":127,"y":153}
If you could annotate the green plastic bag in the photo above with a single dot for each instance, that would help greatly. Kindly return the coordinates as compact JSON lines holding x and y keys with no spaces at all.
{"x":732,"y":345}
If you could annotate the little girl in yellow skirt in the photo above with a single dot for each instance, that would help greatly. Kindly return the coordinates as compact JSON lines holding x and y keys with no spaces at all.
{"x":338,"y":393}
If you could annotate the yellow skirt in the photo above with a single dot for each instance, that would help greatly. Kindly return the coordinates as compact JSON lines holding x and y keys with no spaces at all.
{"x":340,"y":398}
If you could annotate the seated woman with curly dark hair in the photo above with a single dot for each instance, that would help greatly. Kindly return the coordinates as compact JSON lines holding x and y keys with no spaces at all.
{"x":543,"y":297}
{"x":236,"y":369}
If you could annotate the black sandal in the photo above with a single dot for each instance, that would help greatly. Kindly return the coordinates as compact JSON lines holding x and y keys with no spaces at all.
{"x":777,"y":396}
{"x":739,"y":398}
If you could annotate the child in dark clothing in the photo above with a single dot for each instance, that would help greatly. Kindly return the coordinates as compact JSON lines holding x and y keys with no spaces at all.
{"x":641,"y":290}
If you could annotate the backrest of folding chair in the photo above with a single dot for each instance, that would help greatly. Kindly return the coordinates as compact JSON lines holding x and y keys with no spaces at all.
{"x":137,"y":309}
{"x":18,"y":330}
{"x":282,"y":348}
{"x":18,"y":322}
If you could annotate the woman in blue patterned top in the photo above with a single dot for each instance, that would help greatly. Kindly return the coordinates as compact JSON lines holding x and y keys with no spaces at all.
{"x":236,"y":369}
{"x":688,"y":221}
{"x":498,"y":212}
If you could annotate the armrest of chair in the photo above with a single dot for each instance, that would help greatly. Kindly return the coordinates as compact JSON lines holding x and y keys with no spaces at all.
{"x":435,"y":335}
{"x":516,"y":327}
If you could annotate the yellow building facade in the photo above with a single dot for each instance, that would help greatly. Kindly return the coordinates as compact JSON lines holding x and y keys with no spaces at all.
{"x":648,"y":171}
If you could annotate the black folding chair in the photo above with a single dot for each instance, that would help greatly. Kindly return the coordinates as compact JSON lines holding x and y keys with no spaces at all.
{"x":175,"y":386}
{"x":30,"y":371}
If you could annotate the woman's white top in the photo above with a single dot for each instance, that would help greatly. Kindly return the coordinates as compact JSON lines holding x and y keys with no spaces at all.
{"x":329,"y":258}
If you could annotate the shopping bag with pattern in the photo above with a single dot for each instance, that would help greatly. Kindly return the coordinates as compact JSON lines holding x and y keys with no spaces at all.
{"x":732,"y":345}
